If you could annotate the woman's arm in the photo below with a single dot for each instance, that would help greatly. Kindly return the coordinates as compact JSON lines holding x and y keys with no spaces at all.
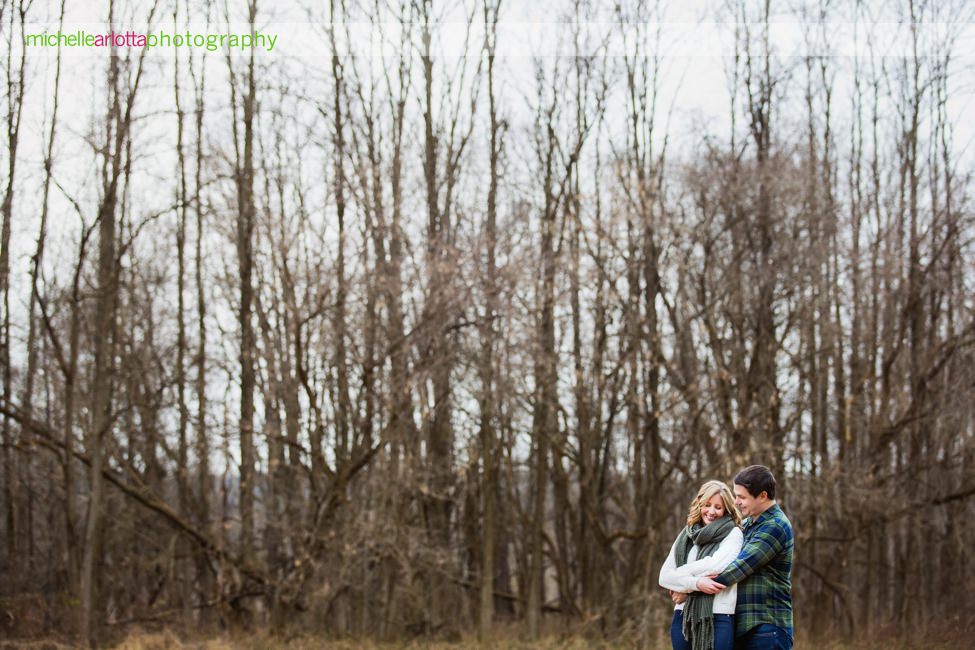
{"x":712,"y":564}
{"x":670,"y":579}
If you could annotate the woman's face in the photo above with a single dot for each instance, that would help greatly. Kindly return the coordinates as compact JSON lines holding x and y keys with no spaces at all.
{"x":712,"y":510}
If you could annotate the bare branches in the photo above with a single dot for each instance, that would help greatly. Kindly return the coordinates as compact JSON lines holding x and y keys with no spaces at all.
{"x":398,"y":345}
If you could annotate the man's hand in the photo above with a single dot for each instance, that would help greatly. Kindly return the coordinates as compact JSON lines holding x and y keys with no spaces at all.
{"x":707,"y":585}
{"x":677,"y":597}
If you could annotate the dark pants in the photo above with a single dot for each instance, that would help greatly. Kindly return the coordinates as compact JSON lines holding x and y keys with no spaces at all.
{"x":724,"y":632}
{"x":765,"y":637}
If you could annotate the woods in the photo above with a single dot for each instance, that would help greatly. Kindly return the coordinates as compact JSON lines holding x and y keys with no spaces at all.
{"x":435,"y":340}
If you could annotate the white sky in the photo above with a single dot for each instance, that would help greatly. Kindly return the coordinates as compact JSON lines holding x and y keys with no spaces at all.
{"x":696,"y":41}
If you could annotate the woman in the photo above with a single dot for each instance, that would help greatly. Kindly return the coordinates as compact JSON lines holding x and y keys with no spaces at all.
{"x":709,"y":542}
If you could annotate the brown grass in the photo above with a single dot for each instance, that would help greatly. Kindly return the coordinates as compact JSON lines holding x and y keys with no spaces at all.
{"x":168,"y":640}
{"x":165,"y":641}
{"x":259,"y":642}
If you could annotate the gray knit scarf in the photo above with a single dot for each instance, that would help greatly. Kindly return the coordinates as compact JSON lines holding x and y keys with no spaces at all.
{"x":699,"y":607}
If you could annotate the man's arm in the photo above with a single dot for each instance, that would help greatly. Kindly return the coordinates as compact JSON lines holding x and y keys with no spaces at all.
{"x":763,"y":546}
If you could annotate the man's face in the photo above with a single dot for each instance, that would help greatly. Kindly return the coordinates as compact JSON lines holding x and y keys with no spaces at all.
{"x":748,"y":505}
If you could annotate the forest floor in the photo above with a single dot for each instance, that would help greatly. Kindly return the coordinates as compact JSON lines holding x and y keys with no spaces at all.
{"x":165,"y":642}
{"x":169,"y":641}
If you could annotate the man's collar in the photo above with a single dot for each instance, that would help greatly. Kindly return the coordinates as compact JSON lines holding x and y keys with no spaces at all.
{"x":751,"y":521}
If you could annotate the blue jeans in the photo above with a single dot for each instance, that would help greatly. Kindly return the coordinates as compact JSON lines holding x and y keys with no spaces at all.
{"x":765,"y":637}
{"x":724,"y":632}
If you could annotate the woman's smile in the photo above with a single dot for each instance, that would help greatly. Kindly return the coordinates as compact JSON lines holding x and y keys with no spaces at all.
{"x":712,"y":510}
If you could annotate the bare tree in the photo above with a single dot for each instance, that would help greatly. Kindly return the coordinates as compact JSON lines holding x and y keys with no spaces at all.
{"x":246,"y":96}
{"x":372,"y":350}
{"x":488,"y":332}
{"x":15,"y":68}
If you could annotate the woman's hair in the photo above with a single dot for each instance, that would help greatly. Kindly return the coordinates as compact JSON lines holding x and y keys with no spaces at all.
{"x":707,"y":491}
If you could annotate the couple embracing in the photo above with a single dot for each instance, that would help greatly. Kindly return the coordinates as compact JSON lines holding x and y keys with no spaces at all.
{"x":731,"y":578}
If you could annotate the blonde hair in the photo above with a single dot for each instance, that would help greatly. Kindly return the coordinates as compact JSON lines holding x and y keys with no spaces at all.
{"x":705,"y":494}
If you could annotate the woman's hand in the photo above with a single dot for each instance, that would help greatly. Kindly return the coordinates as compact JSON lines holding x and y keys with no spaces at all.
{"x":708,"y":585}
{"x":677,"y":597}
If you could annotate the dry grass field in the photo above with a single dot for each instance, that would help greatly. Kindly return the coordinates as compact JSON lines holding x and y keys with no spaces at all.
{"x":168,"y":640}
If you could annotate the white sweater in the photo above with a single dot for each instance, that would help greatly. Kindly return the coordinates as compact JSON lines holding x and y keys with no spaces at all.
{"x":684,"y":578}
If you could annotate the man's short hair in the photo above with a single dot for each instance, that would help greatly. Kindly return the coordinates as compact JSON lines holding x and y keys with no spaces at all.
{"x":757,"y":479}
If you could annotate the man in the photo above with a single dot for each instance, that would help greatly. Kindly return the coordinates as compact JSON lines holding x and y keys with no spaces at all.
{"x":763,"y":568}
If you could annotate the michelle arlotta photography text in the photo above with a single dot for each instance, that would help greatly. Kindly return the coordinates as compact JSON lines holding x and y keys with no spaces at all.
{"x":211,"y":42}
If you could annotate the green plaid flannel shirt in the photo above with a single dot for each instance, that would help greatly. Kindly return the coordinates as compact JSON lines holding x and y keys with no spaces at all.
{"x":762,"y":572}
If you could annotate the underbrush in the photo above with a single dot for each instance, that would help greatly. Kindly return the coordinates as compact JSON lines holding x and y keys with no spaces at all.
{"x":505,"y":640}
{"x":166,"y":641}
